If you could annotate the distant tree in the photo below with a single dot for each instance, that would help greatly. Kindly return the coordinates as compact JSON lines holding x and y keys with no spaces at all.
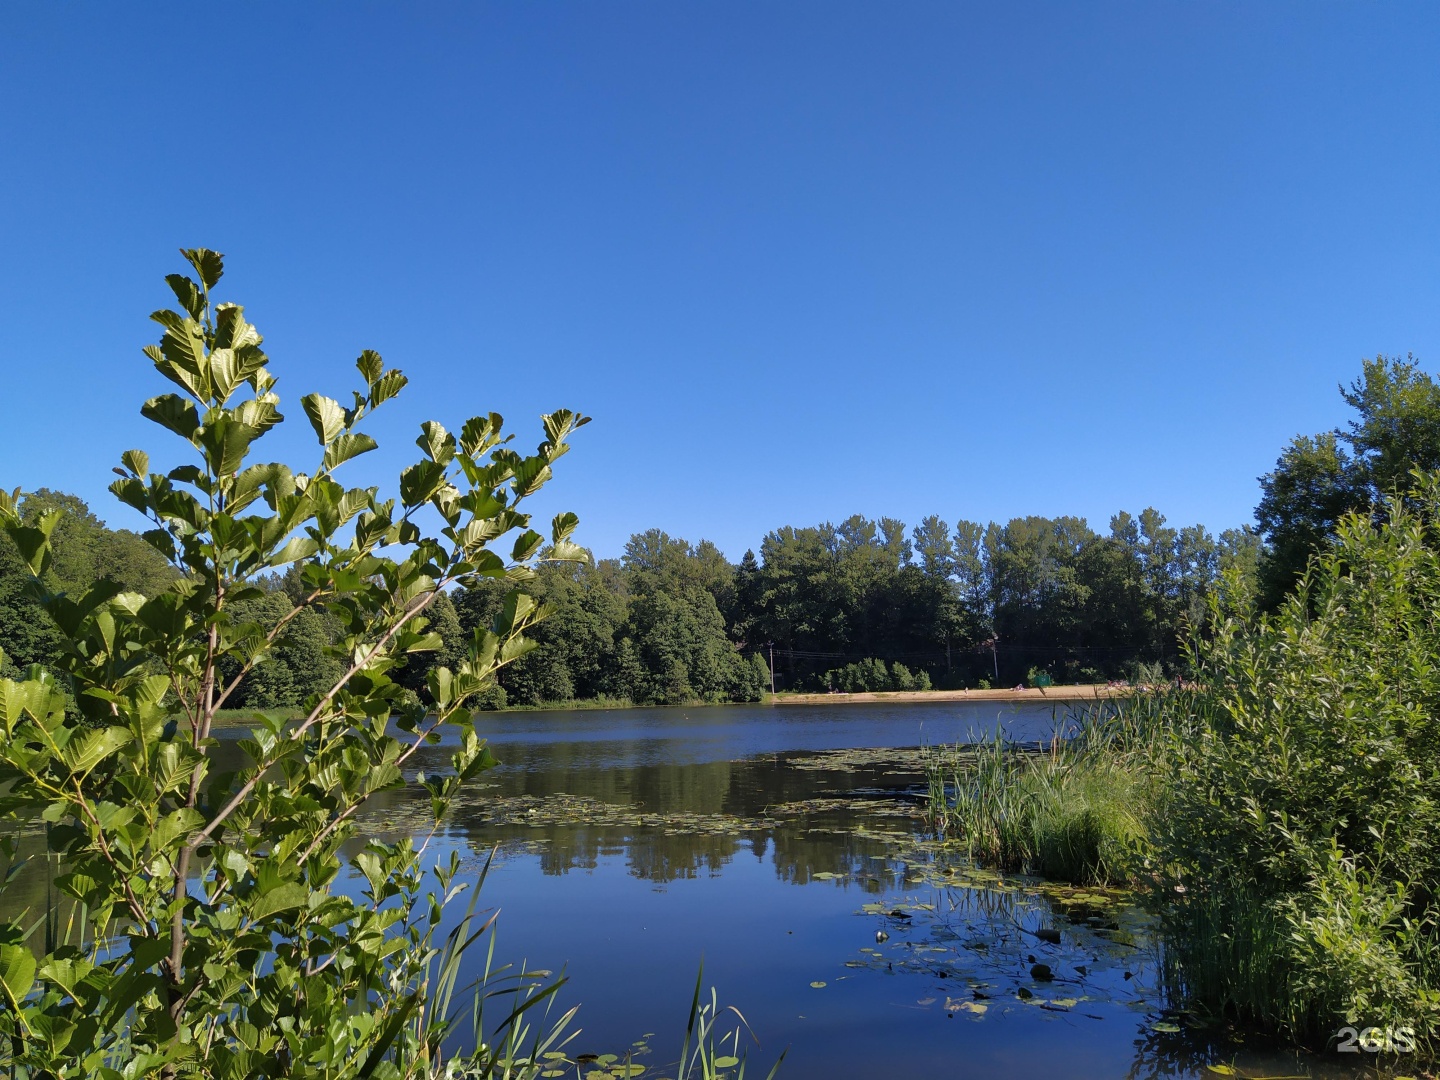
{"x":1301,"y":503}
{"x":744,"y":608}
{"x":87,"y":552}
{"x":298,"y":665}
{"x":931,"y":542}
{"x":1320,"y":478}
{"x":27,"y":635}
{"x":84,"y":553}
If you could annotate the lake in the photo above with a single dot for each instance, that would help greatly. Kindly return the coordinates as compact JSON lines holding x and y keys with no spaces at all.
{"x":784,"y":848}
{"x":773,"y":844}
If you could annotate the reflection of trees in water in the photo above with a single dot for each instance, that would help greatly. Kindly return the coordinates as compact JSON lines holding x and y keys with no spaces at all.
{"x":731,"y":795}
{"x":1158,"y":1055}
{"x":827,"y":844}
{"x":743,"y":788}
{"x":662,"y":855}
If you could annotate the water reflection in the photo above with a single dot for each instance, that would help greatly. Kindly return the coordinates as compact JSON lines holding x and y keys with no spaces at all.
{"x":635,"y":844}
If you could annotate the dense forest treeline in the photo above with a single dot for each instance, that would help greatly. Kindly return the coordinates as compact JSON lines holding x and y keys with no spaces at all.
{"x":865,"y":604}
{"x":862,"y":605}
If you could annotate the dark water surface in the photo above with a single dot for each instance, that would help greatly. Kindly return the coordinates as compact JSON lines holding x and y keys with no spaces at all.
{"x":773,"y":844}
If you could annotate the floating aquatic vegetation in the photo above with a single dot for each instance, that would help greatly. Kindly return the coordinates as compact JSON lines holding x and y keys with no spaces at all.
{"x":997,"y":936}
{"x":895,"y":761}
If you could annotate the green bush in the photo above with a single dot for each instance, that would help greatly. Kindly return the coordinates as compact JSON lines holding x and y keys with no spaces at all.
{"x":1296,"y":828}
{"x":210,"y":936}
{"x":872,"y":676}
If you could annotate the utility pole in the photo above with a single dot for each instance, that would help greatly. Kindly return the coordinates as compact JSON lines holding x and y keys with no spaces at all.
{"x":772,"y":667}
{"x":995,"y":658}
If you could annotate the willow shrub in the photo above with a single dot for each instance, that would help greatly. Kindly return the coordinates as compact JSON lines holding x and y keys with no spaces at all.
{"x":216,"y":939}
{"x":1295,"y":823}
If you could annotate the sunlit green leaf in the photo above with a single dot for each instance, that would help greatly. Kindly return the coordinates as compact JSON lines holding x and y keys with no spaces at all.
{"x":325,"y":415}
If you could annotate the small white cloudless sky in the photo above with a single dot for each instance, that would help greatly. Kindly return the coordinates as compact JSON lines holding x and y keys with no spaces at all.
{"x":797,"y":260}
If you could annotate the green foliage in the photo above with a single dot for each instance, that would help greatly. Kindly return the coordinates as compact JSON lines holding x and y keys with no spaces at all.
{"x":873,"y":675}
{"x":214,"y":938}
{"x":670,"y":621}
{"x":1296,"y":831}
{"x":647,"y":630}
{"x":83,"y":552}
{"x":1319,"y":479}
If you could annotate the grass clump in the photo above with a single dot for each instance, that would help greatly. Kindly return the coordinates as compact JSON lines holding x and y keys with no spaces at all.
{"x":1068,"y":813}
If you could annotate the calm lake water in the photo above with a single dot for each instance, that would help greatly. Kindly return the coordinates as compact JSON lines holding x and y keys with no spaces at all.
{"x":772,"y":844}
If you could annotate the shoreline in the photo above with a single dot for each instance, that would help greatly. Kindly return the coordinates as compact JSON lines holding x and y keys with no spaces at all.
{"x":230,"y":718}
{"x":1083,"y":692}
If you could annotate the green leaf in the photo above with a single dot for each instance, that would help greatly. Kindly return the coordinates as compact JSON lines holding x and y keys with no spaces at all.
{"x":387,"y":386}
{"x":66,"y":974}
{"x":83,"y":754}
{"x":530,"y":475}
{"x":226,"y":443}
{"x":420,"y":481}
{"x":326,"y":416}
{"x":438,"y":444}
{"x":224,"y":372}
{"x":295,"y":549}
{"x":174,"y":412}
{"x":188,"y":293}
{"x":282,"y":898}
{"x":175,"y":825}
{"x":370,"y":366}
{"x":346,"y":447}
{"x":233,"y":332}
{"x":526,"y":544}
{"x":480,"y":433}
{"x":387,"y":1035}
{"x":17,"y":973}
{"x":567,"y":551}
{"x":182,"y":358}
{"x":562,"y":526}
{"x":33,"y":542}
{"x":210,"y":265}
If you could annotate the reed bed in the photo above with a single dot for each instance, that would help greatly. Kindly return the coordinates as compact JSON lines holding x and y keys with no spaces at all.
{"x":1071,"y":810}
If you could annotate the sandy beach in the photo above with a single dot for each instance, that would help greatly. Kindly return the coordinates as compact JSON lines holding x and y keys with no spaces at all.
{"x":1087,"y":692}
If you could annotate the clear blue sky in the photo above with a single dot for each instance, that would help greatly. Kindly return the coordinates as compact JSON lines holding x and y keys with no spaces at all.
{"x":798,"y":260}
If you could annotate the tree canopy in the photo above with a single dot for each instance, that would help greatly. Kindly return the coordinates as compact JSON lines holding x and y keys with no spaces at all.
{"x":1320,"y":478}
